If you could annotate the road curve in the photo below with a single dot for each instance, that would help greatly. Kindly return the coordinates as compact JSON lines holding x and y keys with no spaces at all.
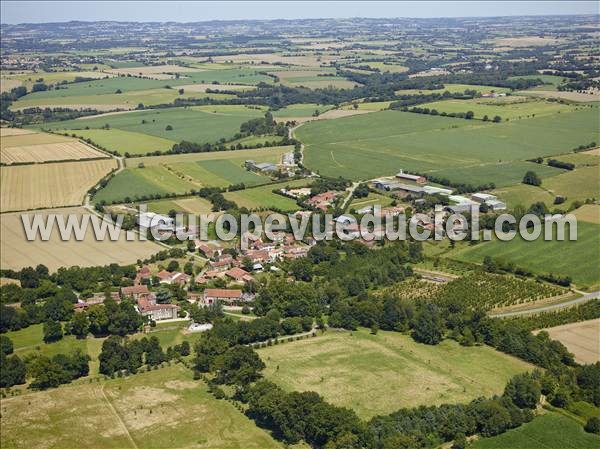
{"x":550,"y":307}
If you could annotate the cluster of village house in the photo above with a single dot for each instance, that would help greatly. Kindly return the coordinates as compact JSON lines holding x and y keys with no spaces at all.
{"x":219,"y":265}
{"x":259,"y":252}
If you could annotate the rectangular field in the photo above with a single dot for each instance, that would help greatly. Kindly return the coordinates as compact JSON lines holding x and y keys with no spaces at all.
{"x":153,"y":410}
{"x":381,"y":143}
{"x":124,"y":141}
{"x":578,"y":259}
{"x":50,"y":185}
{"x":31,"y":147}
{"x":17,"y":252}
{"x":263,"y":197}
{"x":379,"y":374}
{"x":580,"y":338}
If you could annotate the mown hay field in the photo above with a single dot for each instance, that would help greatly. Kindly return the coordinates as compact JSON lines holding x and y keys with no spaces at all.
{"x":32,"y":147}
{"x":580,"y":338}
{"x":379,"y":374}
{"x":156,"y":409}
{"x":39,"y":186}
{"x":17,"y":252}
{"x":382,"y":143}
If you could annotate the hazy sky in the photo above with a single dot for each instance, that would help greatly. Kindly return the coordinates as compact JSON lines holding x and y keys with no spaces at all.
{"x":50,"y":11}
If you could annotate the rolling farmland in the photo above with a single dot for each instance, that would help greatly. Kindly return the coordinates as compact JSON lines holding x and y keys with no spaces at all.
{"x":381,"y":143}
{"x":17,"y":252}
{"x":184,"y":172}
{"x":50,"y":185}
{"x":191,"y":124}
{"x":580,"y":338}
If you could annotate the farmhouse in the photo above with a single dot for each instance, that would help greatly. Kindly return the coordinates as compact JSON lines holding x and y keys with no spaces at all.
{"x":416,"y":178}
{"x":175,"y":277}
{"x":322,"y":200}
{"x":135,"y":291}
{"x":229,"y":296}
{"x":208,"y":249}
{"x":239,"y":275}
{"x":149,"y":308}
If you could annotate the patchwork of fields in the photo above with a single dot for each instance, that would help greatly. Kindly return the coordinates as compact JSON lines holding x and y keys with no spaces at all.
{"x":17,"y":252}
{"x":381,"y":143}
{"x":147,"y":130}
{"x":50,"y":185}
{"x":378,"y":374}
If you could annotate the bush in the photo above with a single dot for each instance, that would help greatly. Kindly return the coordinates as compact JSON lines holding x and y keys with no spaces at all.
{"x":593,"y":425}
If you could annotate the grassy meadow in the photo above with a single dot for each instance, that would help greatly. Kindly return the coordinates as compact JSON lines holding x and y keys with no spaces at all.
{"x":379,"y":374}
{"x":156,"y":409}
{"x":263,"y":197}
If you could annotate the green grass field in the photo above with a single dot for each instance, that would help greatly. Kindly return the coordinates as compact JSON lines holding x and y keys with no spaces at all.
{"x":572,"y":258}
{"x":135,"y":183}
{"x":455,"y":88}
{"x":124,"y":141}
{"x":300,"y":110}
{"x":511,"y":111}
{"x":371,"y":145}
{"x":158,"y":409}
{"x":263,"y":197}
{"x":192,"y":205}
{"x":551,"y":80}
{"x":189,"y":124}
{"x":379,"y":374}
{"x":549,"y":431}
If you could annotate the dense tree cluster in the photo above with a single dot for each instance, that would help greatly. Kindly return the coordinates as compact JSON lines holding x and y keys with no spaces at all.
{"x":49,"y":372}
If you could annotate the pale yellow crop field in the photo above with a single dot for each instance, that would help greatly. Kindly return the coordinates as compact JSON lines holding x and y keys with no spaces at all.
{"x":155,"y":71}
{"x":17,"y":252}
{"x":49,"y":185}
{"x":25,"y":146}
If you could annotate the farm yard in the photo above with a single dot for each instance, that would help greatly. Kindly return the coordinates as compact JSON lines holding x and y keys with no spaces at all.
{"x":33,"y":147}
{"x":17,"y":252}
{"x":60,"y":184}
{"x":381,"y":143}
{"x":378,"y":374}
{"x":580,"y":338}
{"x":129,"y":411}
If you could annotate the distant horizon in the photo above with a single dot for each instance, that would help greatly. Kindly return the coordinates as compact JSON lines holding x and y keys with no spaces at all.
{"x":27,"y":12}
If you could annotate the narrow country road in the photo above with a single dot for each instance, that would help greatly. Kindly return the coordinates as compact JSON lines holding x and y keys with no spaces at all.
{"x":550,"y":307}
